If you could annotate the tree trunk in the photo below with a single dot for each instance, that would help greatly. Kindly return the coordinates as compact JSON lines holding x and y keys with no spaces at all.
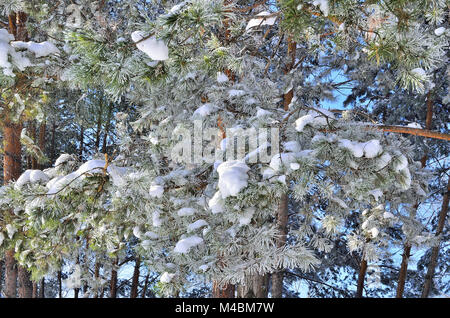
{"x":60,"y":284}
{"x":257,"y":286}
{"x":135,"y":281}
{"x":42,"y":129}
{"x":42,"y":289}
{"x":35,"y":290}
{"x":10,"y":275}
{"x":435,"y":250}
{"x":11,"y":171}
{"x":403,"y":270}
{"x":96,"y":275}
{"x":144,"y":290}
{"x":407,"y":249}
{"x":25,"y":284}
{"x":53,"y":143}
{"x":282,"y":218}
{"x":32,"y":133}
{"x":113,"y":282}
{"x":1,"y":274}
{"x":282,"y":212}
{"x":361,"y":277}
{"x":223,"y":291}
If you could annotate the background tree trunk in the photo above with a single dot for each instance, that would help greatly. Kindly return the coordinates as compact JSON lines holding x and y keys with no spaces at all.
{"x":257,"y":286}
{"x":135,"y":280}
{"x":25,"y":284}
{"x":42,"y":289}
{"x":361,"y":277}
{"x":282,"y":218}
{"x":12,"y":170}
{"x":113,"y":281}
{"x":435,"y":250}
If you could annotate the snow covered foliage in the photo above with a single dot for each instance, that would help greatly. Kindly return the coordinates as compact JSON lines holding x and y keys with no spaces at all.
{"x":208,"y":74}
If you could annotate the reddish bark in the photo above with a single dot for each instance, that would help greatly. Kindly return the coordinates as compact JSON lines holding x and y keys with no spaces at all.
{"x":135,"y":280}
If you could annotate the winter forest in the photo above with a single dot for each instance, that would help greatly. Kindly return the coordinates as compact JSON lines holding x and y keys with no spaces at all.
{"x":224,"y":149}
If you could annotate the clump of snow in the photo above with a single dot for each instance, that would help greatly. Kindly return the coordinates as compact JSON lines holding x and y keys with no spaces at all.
{"x":31,"y":176}
{"x":262,"y":112}
{"x":401,"y":163}
{"x":323,"y":5}
{"x":384,"y":160}
{"x":154,"y":48}
{"x":151,"y":235}
{"x":216,"y":203}
{"x":90,"y":167}
{"x":372,"y":148}
{"x":439,"y":31}
{"x":166,"y":277}
{"x":376,"y":193}
{"x":292,"y":146}
{"x":284,"y":159}
{"x":196,"y":225}
{"x":374,"y":232}
{"x":11,"y":230}
{"x":420,"y":72}
{"x":235,"y":93}
{"x":262,"y":18}
{"x":316,"y":119}
{"x":156,"y":191}
{"x":222,"y":77}
{"x":295,"y":166}
{"x":137,"y":232}
{"x":204,"y":110}
{"x":232,"y":177}
{"x":414,"y":125}
{"x":74,"y":280}
{"x":246,"y":218}
{"x":204,"y":267}
{"x":156,"y":218}
{"x":62,"y":159}
{"x":369,"y":149}
{"x":45,"y":48}
{"x":184,"y":245}
{"x":186,"y":211}
{"x":388,"y":215}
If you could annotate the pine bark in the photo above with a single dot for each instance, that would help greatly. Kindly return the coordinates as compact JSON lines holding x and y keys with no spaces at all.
{"x":35,"y":290}
{"x":435,"y":250}
{"x":42,"y":288}
{"x":11,"y":171}
{"x":59,"y":278}
{"x":361,"y":277}
{"x":12,"y":168}
{"x":96,"y":275}
{"x":10,"y":275}
{"x":135,"y":280}
{"x":257,"y":286}
{"x":282,"y":218}
{"x":144,"y":289}
{"x":42,"y":129}
{"x":282,"y":211}
{"x":113,"y":281}
{"x":223,"y":291}
{"x":25,"y":284}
